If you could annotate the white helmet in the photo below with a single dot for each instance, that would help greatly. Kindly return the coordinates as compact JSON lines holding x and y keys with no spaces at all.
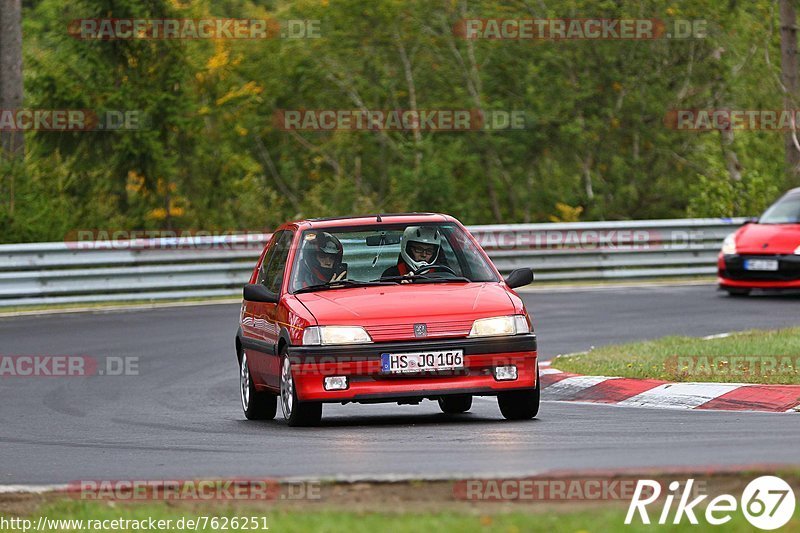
{"x":423,"y":235}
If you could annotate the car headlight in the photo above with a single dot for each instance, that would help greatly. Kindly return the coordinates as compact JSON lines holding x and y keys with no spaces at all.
{"x":797,"y":251}
{"x":500,"y":325}
{"x":326,"y":335}
{"x":729,"y":245}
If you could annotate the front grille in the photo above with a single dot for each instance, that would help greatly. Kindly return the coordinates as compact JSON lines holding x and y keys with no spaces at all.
{"x":439,"y":329}
{"x":788,"y":268}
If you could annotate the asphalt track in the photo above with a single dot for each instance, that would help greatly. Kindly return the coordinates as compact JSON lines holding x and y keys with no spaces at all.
{"x":180,"y":418}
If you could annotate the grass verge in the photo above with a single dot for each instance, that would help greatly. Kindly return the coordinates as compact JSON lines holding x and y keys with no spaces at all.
{"x":468,"y":520}
{"x":756,"y":356}
{"x":563,"y":502}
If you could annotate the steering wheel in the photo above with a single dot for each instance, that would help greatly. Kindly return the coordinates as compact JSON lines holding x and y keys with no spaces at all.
{"x":428,"y":268}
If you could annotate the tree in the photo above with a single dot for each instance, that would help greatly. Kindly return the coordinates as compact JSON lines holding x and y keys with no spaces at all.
{"x":789,"y":79}
{"x":210,"y":155}
{"x":11,"y":71}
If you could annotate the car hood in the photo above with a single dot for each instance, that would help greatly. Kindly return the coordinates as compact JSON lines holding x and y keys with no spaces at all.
{"x":768,"y":239}
{"x":389,"y":312}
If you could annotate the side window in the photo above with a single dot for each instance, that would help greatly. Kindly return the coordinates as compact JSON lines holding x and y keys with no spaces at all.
{"x":470,"y":261}
{"x":448,"y":256}
{"x":274,"y":271}
{"x":270,"y":254}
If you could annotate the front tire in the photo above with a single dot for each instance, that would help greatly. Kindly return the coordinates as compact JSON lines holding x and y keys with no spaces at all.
{"x":295,"y":412}
{"x":256,"y":405}
{"x":520,"y":404}
{"x":455,"y":404}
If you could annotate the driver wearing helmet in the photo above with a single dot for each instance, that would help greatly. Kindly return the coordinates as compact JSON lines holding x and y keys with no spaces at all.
{"x":322,"y":260}
{"x":419,"y":247}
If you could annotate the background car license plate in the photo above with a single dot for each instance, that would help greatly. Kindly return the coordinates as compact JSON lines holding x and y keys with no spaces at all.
{"x":761,"y":264}
{"x":399,"y":363}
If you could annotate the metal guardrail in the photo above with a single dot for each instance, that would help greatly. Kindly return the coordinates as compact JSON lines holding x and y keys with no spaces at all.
{"x":154,"y":269}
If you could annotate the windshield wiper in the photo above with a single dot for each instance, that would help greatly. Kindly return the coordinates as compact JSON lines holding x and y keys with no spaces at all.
{"x":341,"y":284}
{"x":423,"y":278}
{"x":434,"y":279}
{"x":391,"y":279}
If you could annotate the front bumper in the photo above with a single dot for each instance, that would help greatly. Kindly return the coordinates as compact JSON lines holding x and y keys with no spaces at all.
{"x":731,"y":272}
{"x":362,"y":366}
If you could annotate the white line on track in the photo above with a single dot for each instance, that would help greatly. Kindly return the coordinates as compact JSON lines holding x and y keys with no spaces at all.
{"x":30,"y":489}
{"x":717,"y":336}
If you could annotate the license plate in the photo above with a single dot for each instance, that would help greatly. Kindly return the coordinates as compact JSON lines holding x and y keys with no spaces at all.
{"x":402,"y":363}
{"x":761,"y":264}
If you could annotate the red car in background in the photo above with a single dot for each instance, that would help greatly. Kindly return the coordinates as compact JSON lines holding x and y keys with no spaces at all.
{"x":382,"y":308}
{"x":765,"y":253}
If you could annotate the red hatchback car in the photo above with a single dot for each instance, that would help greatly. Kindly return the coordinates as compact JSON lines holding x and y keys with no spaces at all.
{"x":382,"y":308}
{"x":765,"y":253}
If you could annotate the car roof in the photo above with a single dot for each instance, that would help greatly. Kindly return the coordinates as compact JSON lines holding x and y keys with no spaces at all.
{"x":368,"y":220}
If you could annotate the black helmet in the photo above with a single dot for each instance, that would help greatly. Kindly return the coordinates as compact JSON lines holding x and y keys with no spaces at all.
{"x":322,"y":242}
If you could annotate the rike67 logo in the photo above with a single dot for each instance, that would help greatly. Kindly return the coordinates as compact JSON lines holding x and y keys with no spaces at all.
{"x":767,"y":502}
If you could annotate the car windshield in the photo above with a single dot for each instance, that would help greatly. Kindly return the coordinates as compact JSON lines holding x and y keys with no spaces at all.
{"x":367,"y":255}
{"x":784,"y":211}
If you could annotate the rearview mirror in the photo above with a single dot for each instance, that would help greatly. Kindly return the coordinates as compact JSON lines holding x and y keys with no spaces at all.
{"x":256,"y":292}
{"x":519,"y":278}
{"x":377,"y":240}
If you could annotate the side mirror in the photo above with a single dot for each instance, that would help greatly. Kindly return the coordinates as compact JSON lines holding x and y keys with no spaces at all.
{"x":255,"y":292}
{"x":519,"y":278}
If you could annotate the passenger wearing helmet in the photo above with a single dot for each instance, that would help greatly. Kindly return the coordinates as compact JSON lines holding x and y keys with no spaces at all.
{"x":322,"y":260}
{"x":419,"y":247}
